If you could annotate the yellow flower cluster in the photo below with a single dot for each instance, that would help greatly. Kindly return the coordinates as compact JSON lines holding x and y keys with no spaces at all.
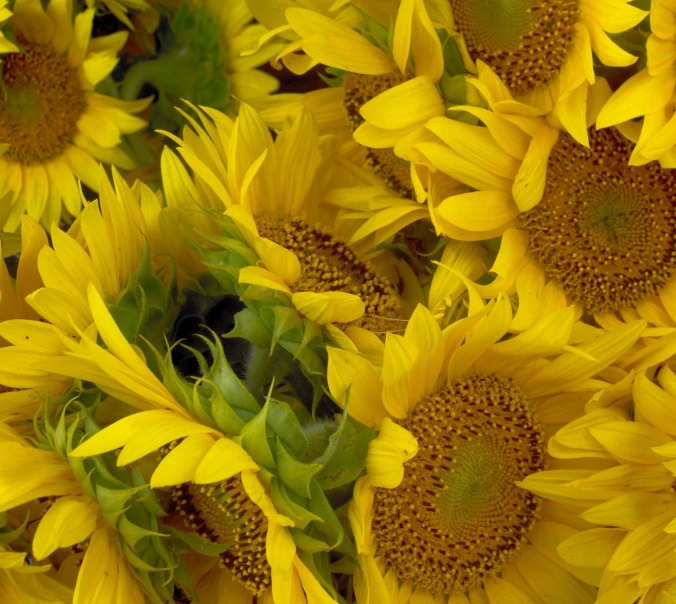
{"x":369,"y":301}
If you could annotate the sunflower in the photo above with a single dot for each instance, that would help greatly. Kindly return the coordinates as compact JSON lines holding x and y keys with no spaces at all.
{"x":273,"y":191}
{"x":461,"y":417}
{"x":219,"y":489}
{"x":541,"y":50}
{"x":73,"y":518}
{"x":629,"y":500}
{"x":107,"y":247}
{"x":57,"y":126}
{"x":578,"y":225}
{"x":401,"y":80}
{"x":650,"y":94}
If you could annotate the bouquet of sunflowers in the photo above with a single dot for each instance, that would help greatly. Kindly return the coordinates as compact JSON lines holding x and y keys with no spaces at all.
{"x":351,"y":302}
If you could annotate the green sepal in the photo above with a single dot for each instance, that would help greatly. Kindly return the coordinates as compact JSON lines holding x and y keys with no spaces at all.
{"x":345,"y":456}
{"x":225,"y":417}
{"x":330,"y":527}
{"x":11,"y":536}
{"x":254,"y":438}
{"x":227,"y":381}
{"x":295,"y":474}
{"x":250,"y":327}
{"x":197,"y":543}
{"x":306,"y":543}
{"x":139,"y":563}
{"x":284,"y":423}
{"x":113,"y":502}
{"x":286,"y":319}
{"x":133,"y":533}
{"x":184,"y":581}
{"x":284,"y":504}
{"x":453,"y":63}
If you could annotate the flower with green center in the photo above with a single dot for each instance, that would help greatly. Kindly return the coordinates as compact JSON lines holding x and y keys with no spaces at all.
{"x":57,"y":126}
{"x":622,"y":451}
{"x":462,"y":418}
{"x":541,"y":50}
{"x":649,"y":95}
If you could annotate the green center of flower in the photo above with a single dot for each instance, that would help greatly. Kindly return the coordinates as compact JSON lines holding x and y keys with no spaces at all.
{"x":42,"y":104}
{"x":224,"y":513}
{"x":457,"y":515}
{"x":359,"y":90}
{"x":524,"y":41}
{"x":329,"y":265}
{"x":606,"y":231}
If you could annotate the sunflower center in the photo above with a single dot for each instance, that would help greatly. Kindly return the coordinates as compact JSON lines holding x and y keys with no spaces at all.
{"x":329,"y":265}
{"x":224,"y":513}
{"x":606,"y":231}
{"x":524,"y":41}
{"x":359,"y":90}
{"x":457,"y":515}
{"x":42,"y":104}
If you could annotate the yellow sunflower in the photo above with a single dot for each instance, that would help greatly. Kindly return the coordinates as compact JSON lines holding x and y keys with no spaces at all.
{"x":629,"y":499}
{"x":650,"y":94}
{"x":542,"y":51}
{"x":57,"y":126}
{"x":578,"y":225}
{"x":106,"y":247}
{"x":403,"y":79}
{"x":274,"y":191}
{"x":462,"y":417}
{"x":28,"y":473}
{"x":215,"y":475}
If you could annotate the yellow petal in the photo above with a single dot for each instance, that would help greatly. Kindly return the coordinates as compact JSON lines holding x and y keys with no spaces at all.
{"x":500,"y":591}
{"x":630,"y":511}
{"x":592,"y":548}
{"x":413,"y":102}
{"x":326,"y":307}
{"x":387,"y":453}
{"x":140,"y":434}
{"x":609,"y":52}
{"x":68,"y":521}
{"x":571,"y":368}
{"x":654,"y":404}
{"x":256,"y":275}
{"x":529,"y":183}
{"x":224,"y":459}
{"x":401,"y":388}
{"x":280,"y":551}
{"x":313,"y":589}
{"x":181,"y":463}
{"x":639,"y":95}
{"x":479,"y":210}
{"x":278,"y":260}
{"x":631,"y":442}
{"x":349,"y":370}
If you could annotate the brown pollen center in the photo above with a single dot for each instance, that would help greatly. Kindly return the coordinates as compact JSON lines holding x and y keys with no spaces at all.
{"x":43,"y":102}
{"x":329,"y":265}
{"x":359,"y":90}
{"x":605,"y":230}
{"x":457,"y":516}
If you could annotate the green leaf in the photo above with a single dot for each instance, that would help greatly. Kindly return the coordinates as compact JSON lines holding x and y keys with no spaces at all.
{"x":132,"y":533}
{"x":295,"y":474}
{"x":284,"y":423}
{"x":249,"y":326}
{"x":345,"y":457}
{"x":285,"y":504}
{"x":226,"y":380}
{"x":254,"y":438}
{"x":197,"y":543}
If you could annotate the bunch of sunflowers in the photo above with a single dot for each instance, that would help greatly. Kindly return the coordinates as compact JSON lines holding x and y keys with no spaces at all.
{"x":311,"y":302}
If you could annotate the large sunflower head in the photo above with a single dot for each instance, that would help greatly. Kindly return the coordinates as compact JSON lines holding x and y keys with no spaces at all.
{"x":462,"y":418}
{"x":58,"y":127}
{"x":541,"y":50}
{"x":624,"y":449}
{"x":275,"y":198}
{"x":577,"y":219}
